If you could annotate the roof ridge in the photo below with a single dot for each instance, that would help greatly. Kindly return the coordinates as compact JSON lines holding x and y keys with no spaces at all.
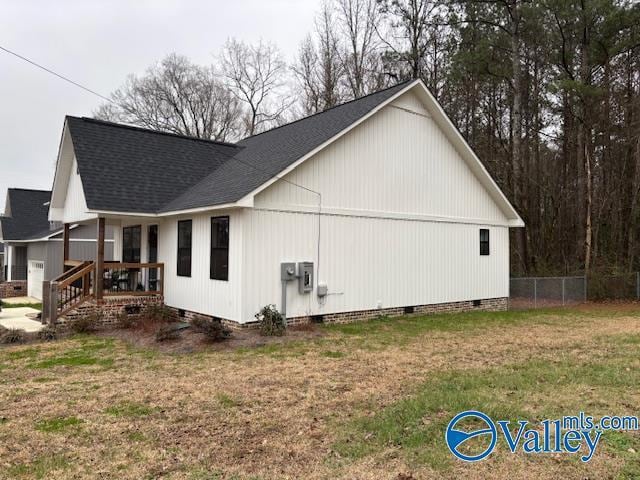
{"x":150,"y":130}
{"x":330,"y":108}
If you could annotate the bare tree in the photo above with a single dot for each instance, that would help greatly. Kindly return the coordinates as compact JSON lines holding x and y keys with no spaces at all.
{"x":417,"y":39}
{"x":408,"y":36}
{"x":176,"y":96}
{"x":360,"y":55}
{"x":318,"y":68}
{"x":256,"y":74}
{"x":305,"y":71}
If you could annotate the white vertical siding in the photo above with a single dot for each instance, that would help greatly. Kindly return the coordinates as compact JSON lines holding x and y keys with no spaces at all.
{"x":395,"y":162}
{"x":367,"y":262}
{"x":199,"y":293}
{"x":75,"y":204}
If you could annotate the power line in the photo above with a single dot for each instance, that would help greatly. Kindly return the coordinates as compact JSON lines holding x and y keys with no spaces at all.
{"x":87,"y":89}
{"x":62,"y":77}
{"x":248,"y":164}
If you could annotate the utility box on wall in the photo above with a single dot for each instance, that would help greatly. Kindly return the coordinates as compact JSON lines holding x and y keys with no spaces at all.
{"x":287,"y":271}
{"x":305,"y":277}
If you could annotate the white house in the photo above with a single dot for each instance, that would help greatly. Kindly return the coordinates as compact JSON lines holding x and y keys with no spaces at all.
{"x":380,"y":205}
{"x":34,"y":246}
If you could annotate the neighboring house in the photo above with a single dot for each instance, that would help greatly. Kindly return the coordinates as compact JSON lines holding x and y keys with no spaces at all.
{"x":2,"y":272}
{"x":381,"y":196}
{"x":33,"y":245}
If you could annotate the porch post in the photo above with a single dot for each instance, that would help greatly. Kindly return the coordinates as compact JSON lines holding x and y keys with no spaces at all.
{"x":9,"y":261}
{"x":99,"y":260}
{"x":65,"y":248}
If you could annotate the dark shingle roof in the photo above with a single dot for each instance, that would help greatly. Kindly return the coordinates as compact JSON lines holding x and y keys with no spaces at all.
{"x":130,"y":169}
{"x":29,"y":212}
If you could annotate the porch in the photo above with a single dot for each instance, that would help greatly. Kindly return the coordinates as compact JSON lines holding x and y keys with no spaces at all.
{"x":92,"y":282}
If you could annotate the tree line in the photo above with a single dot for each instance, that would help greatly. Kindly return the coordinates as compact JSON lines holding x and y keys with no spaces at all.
{"x":547,"y":92}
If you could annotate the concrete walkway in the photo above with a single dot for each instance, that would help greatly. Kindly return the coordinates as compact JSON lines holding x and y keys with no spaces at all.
{"x":23,"y":318}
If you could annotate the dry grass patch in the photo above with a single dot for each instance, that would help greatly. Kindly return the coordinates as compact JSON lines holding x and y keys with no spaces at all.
{"x":285,"y":409}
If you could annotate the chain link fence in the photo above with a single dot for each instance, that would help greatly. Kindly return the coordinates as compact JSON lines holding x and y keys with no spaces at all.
{"x":540,"y":292}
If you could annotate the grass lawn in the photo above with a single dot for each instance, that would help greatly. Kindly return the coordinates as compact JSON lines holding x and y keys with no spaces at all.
{"x":361,"y":401}
{"x":37,"y":306}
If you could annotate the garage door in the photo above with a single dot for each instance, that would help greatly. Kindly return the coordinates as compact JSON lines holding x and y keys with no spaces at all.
{"x":35,"y":277}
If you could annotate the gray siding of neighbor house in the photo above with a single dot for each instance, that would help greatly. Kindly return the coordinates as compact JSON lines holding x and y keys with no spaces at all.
{"x":86,"y":232}
{"x":50,"y":251}
{"x":77,"y":251}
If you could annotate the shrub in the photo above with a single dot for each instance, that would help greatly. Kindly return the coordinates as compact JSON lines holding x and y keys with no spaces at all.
{"x":211,"y":328}
{"x":48,"y":333}
{"x":167,"y":332}
{"x":13,"y":335}
{"x":87,"y":323}
{"x":157,"y":313}
{"x":272,"y":322}
{"x":124,"y":320}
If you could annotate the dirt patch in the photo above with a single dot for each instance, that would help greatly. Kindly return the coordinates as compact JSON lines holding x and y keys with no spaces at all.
{"x":191,"y":341}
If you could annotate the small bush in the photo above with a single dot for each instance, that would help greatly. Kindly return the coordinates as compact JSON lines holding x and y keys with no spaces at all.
{"x":157,"y":313}
{"x":124,"y":320}
{"x":87,"y":323}
{"x":13,"y":335}
{"x":272,"y":322}
{"x":167,"y":332}
{"x":48,"y":334}
{"x":211,"y":328}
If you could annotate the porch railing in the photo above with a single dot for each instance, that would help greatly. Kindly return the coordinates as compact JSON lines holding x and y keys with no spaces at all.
{"x":121,"y":278}
{"x":67,"y":291}
{"x":77,"y":284}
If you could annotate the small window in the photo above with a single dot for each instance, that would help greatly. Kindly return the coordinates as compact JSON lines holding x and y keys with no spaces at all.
{"x":219,"y":267}
{"x":484,"y":241}
{"x":184,"y":248}
{"x":131,"y":244}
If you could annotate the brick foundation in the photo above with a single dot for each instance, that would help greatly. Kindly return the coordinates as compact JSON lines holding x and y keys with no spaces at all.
{"x":487,"y":305}
{"x":111,"y":308}
{"x":15,"y":288}
{"x":187,"y":315}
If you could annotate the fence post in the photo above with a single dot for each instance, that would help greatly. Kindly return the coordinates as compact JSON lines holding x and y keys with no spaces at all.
{"x":563,"y":279}
{"x":535,"y":293}
{"x":586,"y":286}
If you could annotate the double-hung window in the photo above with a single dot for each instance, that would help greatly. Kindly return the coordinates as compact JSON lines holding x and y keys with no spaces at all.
{"x":184,"y":248}
{"x":219,"y":267}
{"x":484,"y":241}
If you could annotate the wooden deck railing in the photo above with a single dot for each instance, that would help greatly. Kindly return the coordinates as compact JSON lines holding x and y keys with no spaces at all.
{"x":122,"y":278}
{"x":77,"y":285}
{"x":68,"y":291}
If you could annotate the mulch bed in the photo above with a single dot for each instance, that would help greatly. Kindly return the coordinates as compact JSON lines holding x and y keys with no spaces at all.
{"x":191,"y":341}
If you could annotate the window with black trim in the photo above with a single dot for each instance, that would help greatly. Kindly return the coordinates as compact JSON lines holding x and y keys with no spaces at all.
{"x":484,"y":241}
{"x":184,"y":248}
{"x":219,"y":267}
{"x":131,"y":240}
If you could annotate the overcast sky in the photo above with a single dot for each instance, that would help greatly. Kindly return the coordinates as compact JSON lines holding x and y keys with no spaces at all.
{"x":97,"y":43}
